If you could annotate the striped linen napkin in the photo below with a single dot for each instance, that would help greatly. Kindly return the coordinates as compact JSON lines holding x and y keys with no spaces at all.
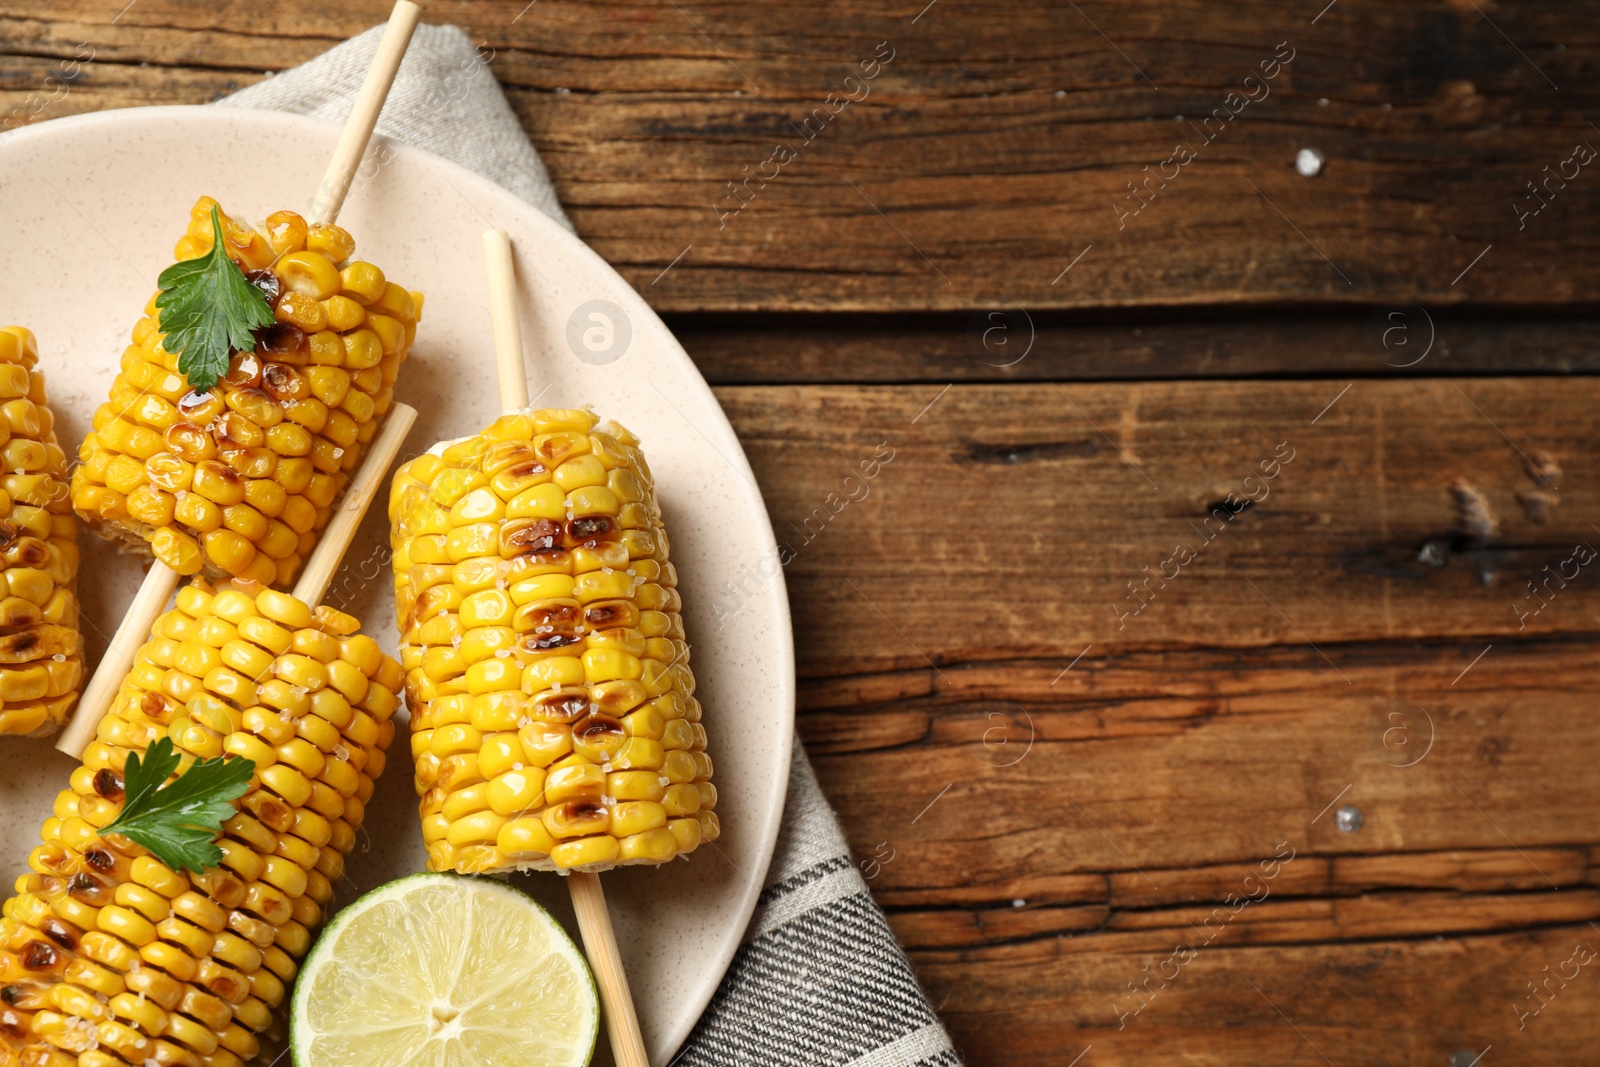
{"x":819,"y":979}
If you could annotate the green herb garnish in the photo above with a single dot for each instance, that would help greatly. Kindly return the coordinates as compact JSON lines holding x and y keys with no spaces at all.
{"x":179,"y":821}
{"x":208,"y":308}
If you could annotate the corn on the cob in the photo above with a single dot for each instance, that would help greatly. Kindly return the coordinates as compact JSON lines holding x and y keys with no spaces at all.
{"x":108,"y":957}
{"x":41,"y":669}
{"x":241,"y":479}
{"x":553,"y":715}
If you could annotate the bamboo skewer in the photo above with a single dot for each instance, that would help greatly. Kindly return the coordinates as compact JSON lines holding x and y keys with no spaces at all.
{"x":588,"y":897}
{"x":358,"y":496}
{"x":148,"y":603}
{"x":161,"y":582}
{"x":364,"y":114}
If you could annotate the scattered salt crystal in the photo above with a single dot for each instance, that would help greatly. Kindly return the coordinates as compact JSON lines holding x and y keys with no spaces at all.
{"x":59,"y":658}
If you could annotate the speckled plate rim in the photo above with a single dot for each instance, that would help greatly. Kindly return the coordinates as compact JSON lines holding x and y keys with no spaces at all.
{"x":122,"y":127}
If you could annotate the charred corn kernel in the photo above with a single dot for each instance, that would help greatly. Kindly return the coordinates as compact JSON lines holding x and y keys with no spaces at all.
{"x":184,"y":966}
{"x":534,"y":595}
{"x":41,"y":670}
{"x":257,"y":432}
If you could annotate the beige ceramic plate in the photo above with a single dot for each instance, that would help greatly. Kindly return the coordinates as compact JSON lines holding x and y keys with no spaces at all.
{"x":90,"y":211}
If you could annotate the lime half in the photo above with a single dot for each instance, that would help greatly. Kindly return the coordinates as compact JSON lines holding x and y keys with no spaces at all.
{"x":441,"y":970}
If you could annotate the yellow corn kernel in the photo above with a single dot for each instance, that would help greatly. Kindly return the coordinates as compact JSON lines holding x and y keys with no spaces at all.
{"x":479,"y":828}
{"x":525,"y":838}
{"x":363,"y":282}
{"x":310,"y":273}
{"x":332,"y":241}
{"x":126,"y":924}
{"x":652,"y":846}
{"x":585,"y":852}
{"x":514,"y":792}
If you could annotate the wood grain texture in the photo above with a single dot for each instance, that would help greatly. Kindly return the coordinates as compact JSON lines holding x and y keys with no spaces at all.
{"x":1039,"y":845}
{"x":1016,"y":345}
{"x":1031,"y":521}
{"x":1380,"y":1002}
{"x":991,"y":150}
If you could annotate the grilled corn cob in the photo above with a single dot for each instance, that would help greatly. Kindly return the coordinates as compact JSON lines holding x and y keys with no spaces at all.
{"x":108,"y":957}
{"x":552,"y":708}
{"x":241,"y":479}
{"x":41,"y":669}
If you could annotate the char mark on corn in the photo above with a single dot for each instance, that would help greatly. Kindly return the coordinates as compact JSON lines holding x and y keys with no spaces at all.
{"x":108,"y":958}
{"x":239,"y":480}
{"x":41,"y":665}
{"x":553,"y":715}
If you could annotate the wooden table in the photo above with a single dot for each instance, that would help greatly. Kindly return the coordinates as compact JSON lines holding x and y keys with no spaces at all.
{"x":1207,"y":675}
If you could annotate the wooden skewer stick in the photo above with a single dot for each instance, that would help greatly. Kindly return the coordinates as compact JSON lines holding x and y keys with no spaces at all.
{"x":148,"y":603}
{"x":588,"y":898}
{"x":507,"y":325}
{"x":364,"y":114}
{"x":162,"y":581}
{"x":358,"y":496}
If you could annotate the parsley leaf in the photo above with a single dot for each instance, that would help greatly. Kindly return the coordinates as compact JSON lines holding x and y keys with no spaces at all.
{"x":208,"y":309}
{"x":179,"y":821}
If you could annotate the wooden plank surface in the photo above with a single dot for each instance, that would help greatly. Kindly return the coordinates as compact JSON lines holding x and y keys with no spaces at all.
{"x":994,"y":146}
{"x":1026,"y":520}
{"x":1041,"y":842}
{"x":1052,"y":794}
{"x":1049,"y":793}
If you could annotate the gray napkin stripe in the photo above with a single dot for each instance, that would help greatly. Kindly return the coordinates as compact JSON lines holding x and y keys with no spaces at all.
{"x":820,"y":978}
